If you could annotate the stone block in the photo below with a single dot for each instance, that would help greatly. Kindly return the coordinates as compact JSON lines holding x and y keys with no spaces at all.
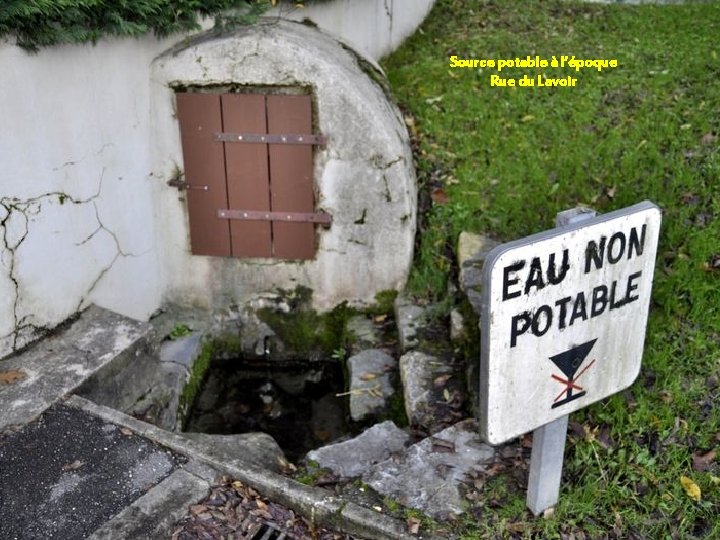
{"x":431,"y":474}
{"x":370,"y":386}
{"x":418,"y":371}
{"x":409,"y":319}
{"x":354,"y":457}
{"x":471,"y":253}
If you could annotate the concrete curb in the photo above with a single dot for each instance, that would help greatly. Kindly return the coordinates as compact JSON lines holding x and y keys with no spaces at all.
{"x":314,"y":503}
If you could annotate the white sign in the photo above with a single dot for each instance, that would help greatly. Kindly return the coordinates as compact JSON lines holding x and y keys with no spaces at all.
{"x":564,"y":317}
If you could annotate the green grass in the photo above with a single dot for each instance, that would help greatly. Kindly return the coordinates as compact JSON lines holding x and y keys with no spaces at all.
{"x":510,"y":158}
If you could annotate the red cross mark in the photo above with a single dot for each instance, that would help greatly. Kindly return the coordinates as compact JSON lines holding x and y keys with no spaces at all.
{"x":570,"y":383}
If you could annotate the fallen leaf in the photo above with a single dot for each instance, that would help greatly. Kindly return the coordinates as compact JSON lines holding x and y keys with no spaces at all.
{"x":73,"y":466}
{"x":413,"y":525}
{"x":11,"y":376}
{"x":441,"y":380}
{"x":691,"y":488}
{"x":518,"y":527}
{"x":709,"y":138}
{"x":447,"y":395}
{"x":442,"y":446}
{"x":126,"y":431}
{"x":368,"y":376}
{"x":197,"y":509}
{"x":712,"y":264}
{"x":702,"y":462}
{"x":379,"y":318}
{"x":439,"y":196}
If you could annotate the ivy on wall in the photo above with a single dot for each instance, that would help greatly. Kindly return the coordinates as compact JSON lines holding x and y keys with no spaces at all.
{"x":40,"y":23}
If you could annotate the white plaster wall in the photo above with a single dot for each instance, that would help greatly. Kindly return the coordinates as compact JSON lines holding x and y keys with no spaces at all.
{"x":87,"y":139}
{"x":77,"y":217}
{"x":374,"y":27}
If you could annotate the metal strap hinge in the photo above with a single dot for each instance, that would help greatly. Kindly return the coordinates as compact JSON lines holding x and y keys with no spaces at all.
{"x":270,"y":138}
{"x":184,"y":185}
{"x":322,"y":218}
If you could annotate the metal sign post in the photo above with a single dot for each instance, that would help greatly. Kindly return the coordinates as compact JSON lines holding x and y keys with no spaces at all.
{"x":563,"y":326}
{"x":548,"y":447}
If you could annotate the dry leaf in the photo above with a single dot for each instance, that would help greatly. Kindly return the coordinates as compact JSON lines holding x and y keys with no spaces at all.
{"x":126,"y":431}
{"x":702,"y":462}
{"x":708,"y":138}
{"x":413,"y":525}
{"x":368,"y":376}
{"x":11,"y":376}
{"x":441,"y":380}
{"x":691,"y":488}
{"x":73,"y":466}
{"x":439,"y":196}
{"x":380,"y":318}
{"x":447,"y":395}
{"x":197,"y":509}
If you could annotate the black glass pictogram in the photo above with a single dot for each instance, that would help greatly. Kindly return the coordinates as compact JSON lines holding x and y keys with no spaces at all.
{"x":569,"y":362}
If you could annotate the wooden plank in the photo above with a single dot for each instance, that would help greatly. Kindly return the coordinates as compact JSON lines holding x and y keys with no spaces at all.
{"x":291,"y":176}
{"x":247,"y":174}
{"x":199,"y":117}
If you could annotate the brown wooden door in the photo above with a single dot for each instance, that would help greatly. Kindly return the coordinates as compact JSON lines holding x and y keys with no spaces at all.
{"x":247,"y":176}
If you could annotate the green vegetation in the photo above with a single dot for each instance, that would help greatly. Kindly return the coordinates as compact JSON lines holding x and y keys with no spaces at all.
{"x":304,"y":330}
{"x":197,"y":377}
{"x":504,"y":161}
{"x":41,"y":23}
{"x":179,"y":331}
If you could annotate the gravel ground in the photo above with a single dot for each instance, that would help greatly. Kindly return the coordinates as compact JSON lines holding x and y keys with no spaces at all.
{"x":234,"y":511}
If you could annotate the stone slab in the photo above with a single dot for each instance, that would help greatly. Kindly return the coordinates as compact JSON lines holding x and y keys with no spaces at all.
{"x":354,"y":457}
{"x":430,"y":475}
{"x":59,"y":364}
{"x":258,"y":449}
{"x":183,"y":350}
{"x":370,"y":386}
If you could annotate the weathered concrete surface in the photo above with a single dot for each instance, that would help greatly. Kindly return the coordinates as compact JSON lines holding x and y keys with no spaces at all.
{"x":59,"y":364}
{"x":370,"y":387}
{"x":409,"y":319}
{"x":354,"y":457}
{"x":68,"y":472}
{"x":471,"y":253}
{"x":364,"y":176}
{"x":320,"y":505}
{"x":258,"y":449}
{"x":154,"y":514}
{"x":418,"y":373}
{"x":429,"y":476}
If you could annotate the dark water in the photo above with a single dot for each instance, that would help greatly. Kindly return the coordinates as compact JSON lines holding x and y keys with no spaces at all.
{"x":295,"y":403}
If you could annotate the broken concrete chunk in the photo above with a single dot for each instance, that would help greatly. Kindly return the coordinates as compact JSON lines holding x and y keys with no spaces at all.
{"x":409,"y":319}
{"x":370,"y":387}
{"x":473,"y":249}
{"x":418,"y":372}
{"x":430,"y":475}
{"x":356,"y":456}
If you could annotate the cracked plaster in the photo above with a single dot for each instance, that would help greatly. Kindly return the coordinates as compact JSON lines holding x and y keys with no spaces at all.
{"x":85,"y":126}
